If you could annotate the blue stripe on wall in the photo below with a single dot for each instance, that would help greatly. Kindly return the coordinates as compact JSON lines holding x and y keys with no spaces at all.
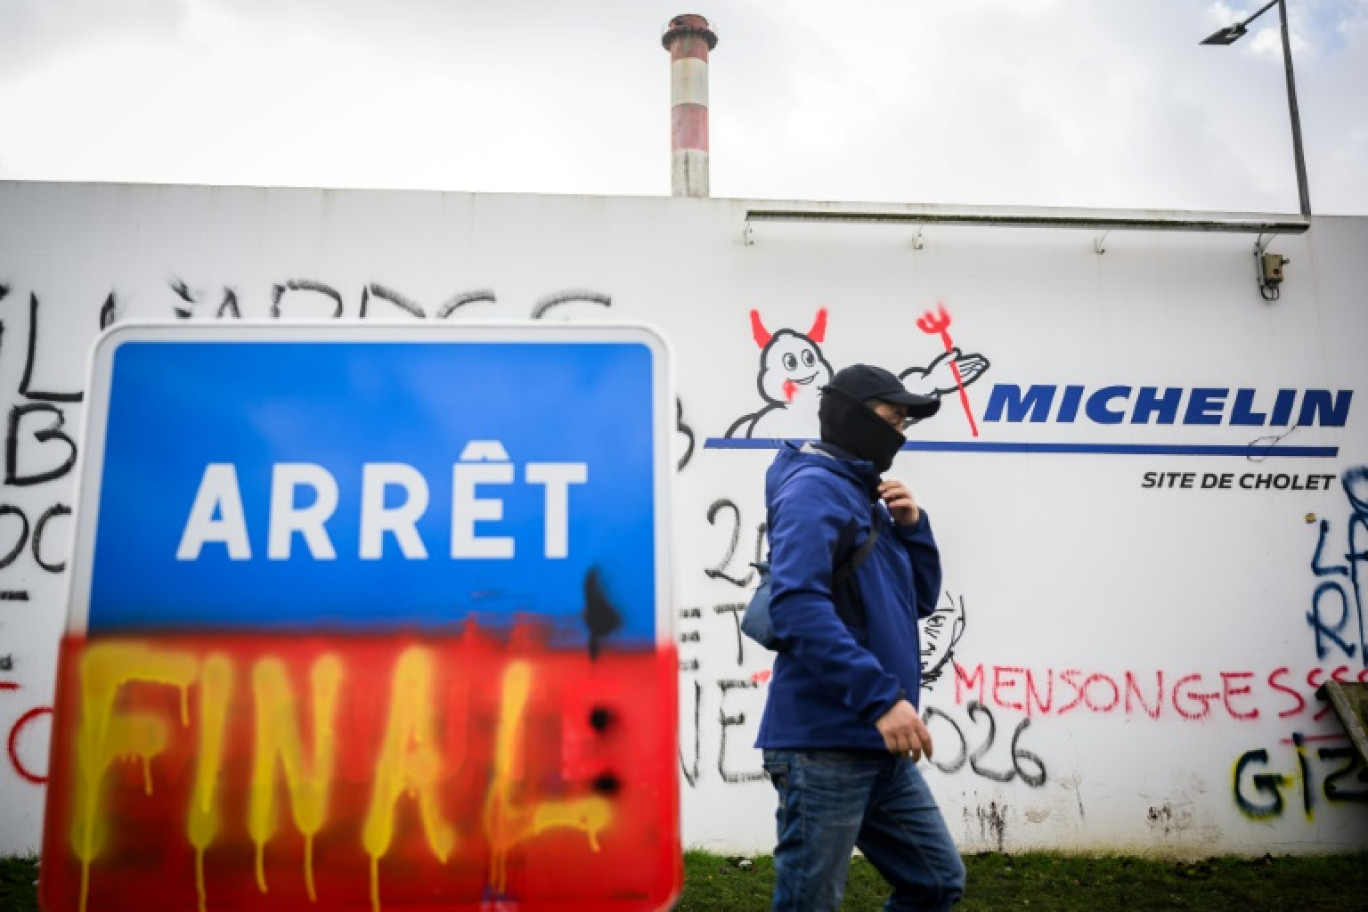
{"x":1122,"y":449}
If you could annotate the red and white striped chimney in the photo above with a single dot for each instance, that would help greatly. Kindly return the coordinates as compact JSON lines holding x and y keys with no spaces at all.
{"x":688,"y":38}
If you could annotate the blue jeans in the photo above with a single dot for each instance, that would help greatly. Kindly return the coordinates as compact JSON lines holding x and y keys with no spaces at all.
{"x":831,"y":801}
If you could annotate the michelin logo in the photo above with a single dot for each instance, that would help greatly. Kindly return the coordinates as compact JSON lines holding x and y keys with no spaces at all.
{"x":217,"y":517}
{"x":1045,"y":402}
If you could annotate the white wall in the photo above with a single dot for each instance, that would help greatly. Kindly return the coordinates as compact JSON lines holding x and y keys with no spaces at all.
{"x":1060,"y":567}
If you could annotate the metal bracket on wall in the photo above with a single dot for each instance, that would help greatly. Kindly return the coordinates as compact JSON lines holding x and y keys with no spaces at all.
{"x":1101,"y":222}
{"x":1096,"y":220}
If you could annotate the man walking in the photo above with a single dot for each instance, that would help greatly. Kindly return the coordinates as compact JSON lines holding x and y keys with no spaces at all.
{"x":841,"y":733}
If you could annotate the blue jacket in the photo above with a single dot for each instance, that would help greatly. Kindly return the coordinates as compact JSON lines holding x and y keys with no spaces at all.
{"x":831,"y":683}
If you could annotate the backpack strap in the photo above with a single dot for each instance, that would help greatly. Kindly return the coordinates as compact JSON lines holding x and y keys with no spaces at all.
{"x":851,"y":608}
{"x":755,"y":620}
{"x":848,"y":601}
{"x":847,"y":569}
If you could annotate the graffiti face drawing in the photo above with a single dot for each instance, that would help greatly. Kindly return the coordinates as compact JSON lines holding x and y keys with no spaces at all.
{"x":793,"y":365}
{"x":792,"y":371}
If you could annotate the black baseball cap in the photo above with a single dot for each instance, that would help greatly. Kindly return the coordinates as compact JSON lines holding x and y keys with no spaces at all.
{"x":865,"y":382}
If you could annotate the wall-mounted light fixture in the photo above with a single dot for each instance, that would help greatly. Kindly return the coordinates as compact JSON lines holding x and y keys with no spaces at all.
{"x":1232,"y":33}
{"x":1269,"y":266}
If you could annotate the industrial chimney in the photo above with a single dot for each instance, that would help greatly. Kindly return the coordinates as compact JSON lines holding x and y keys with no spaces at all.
{"x":688,"y":39}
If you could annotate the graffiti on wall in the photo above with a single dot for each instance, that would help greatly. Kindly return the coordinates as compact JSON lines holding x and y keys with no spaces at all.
{"x":981,"y":734}
{"x":1239,"y":694}
{"x":39,"y":449}
{"x":1304,"y":770}
{"x":306,"y":298}
{"x":1300,"y":772}
{"x":938,"y":324}
{"x":793,"y":369}
{"x":40,"y":452}
{"x":1336,"y":617}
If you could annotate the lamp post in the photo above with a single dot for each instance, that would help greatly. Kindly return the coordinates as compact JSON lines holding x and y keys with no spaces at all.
{"x":1232,"y":33}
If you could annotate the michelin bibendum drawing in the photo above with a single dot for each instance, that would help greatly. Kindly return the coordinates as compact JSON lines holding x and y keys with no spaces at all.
{"x":793,"y":369}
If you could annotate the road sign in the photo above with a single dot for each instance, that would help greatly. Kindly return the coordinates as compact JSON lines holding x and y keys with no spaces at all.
{"x":369,"y":617}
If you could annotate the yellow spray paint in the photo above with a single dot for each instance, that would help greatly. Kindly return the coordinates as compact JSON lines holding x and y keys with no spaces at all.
{"x":104,"y":736}
{"x":277,"y":736}
{"x":507,"y":823}
{"x":408,"y":762}
{"x":202,"y":825}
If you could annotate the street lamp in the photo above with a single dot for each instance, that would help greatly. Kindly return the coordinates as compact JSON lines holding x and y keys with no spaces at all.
{"x":1232,"y":33}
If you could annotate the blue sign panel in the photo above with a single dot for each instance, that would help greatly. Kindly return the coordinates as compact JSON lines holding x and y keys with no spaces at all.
{"x":325,"y":477}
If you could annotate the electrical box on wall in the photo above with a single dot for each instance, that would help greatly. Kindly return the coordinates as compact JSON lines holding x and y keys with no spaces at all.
{"x":1272,"y":266}
{"x":1270,"y":273}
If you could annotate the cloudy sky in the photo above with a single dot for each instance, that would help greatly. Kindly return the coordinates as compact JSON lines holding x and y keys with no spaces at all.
{"x":1094,"y":103}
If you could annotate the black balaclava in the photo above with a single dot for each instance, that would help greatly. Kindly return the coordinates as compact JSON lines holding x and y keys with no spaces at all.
{"x":856,"y":428}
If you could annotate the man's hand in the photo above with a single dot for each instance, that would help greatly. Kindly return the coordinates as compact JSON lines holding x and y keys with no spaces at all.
{"x":900,"y":503}
{"x":903,"y":731}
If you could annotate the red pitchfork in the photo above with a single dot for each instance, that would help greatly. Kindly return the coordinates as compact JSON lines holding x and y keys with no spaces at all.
{"x":938,"y":323}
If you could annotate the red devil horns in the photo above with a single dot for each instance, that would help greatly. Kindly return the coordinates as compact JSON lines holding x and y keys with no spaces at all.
{"x":818,"y":327}
{"x":763,"y":336}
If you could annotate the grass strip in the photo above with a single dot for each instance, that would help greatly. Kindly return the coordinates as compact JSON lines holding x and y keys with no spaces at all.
{"x":1034,"y":880}
{"x":1071,"y":883}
